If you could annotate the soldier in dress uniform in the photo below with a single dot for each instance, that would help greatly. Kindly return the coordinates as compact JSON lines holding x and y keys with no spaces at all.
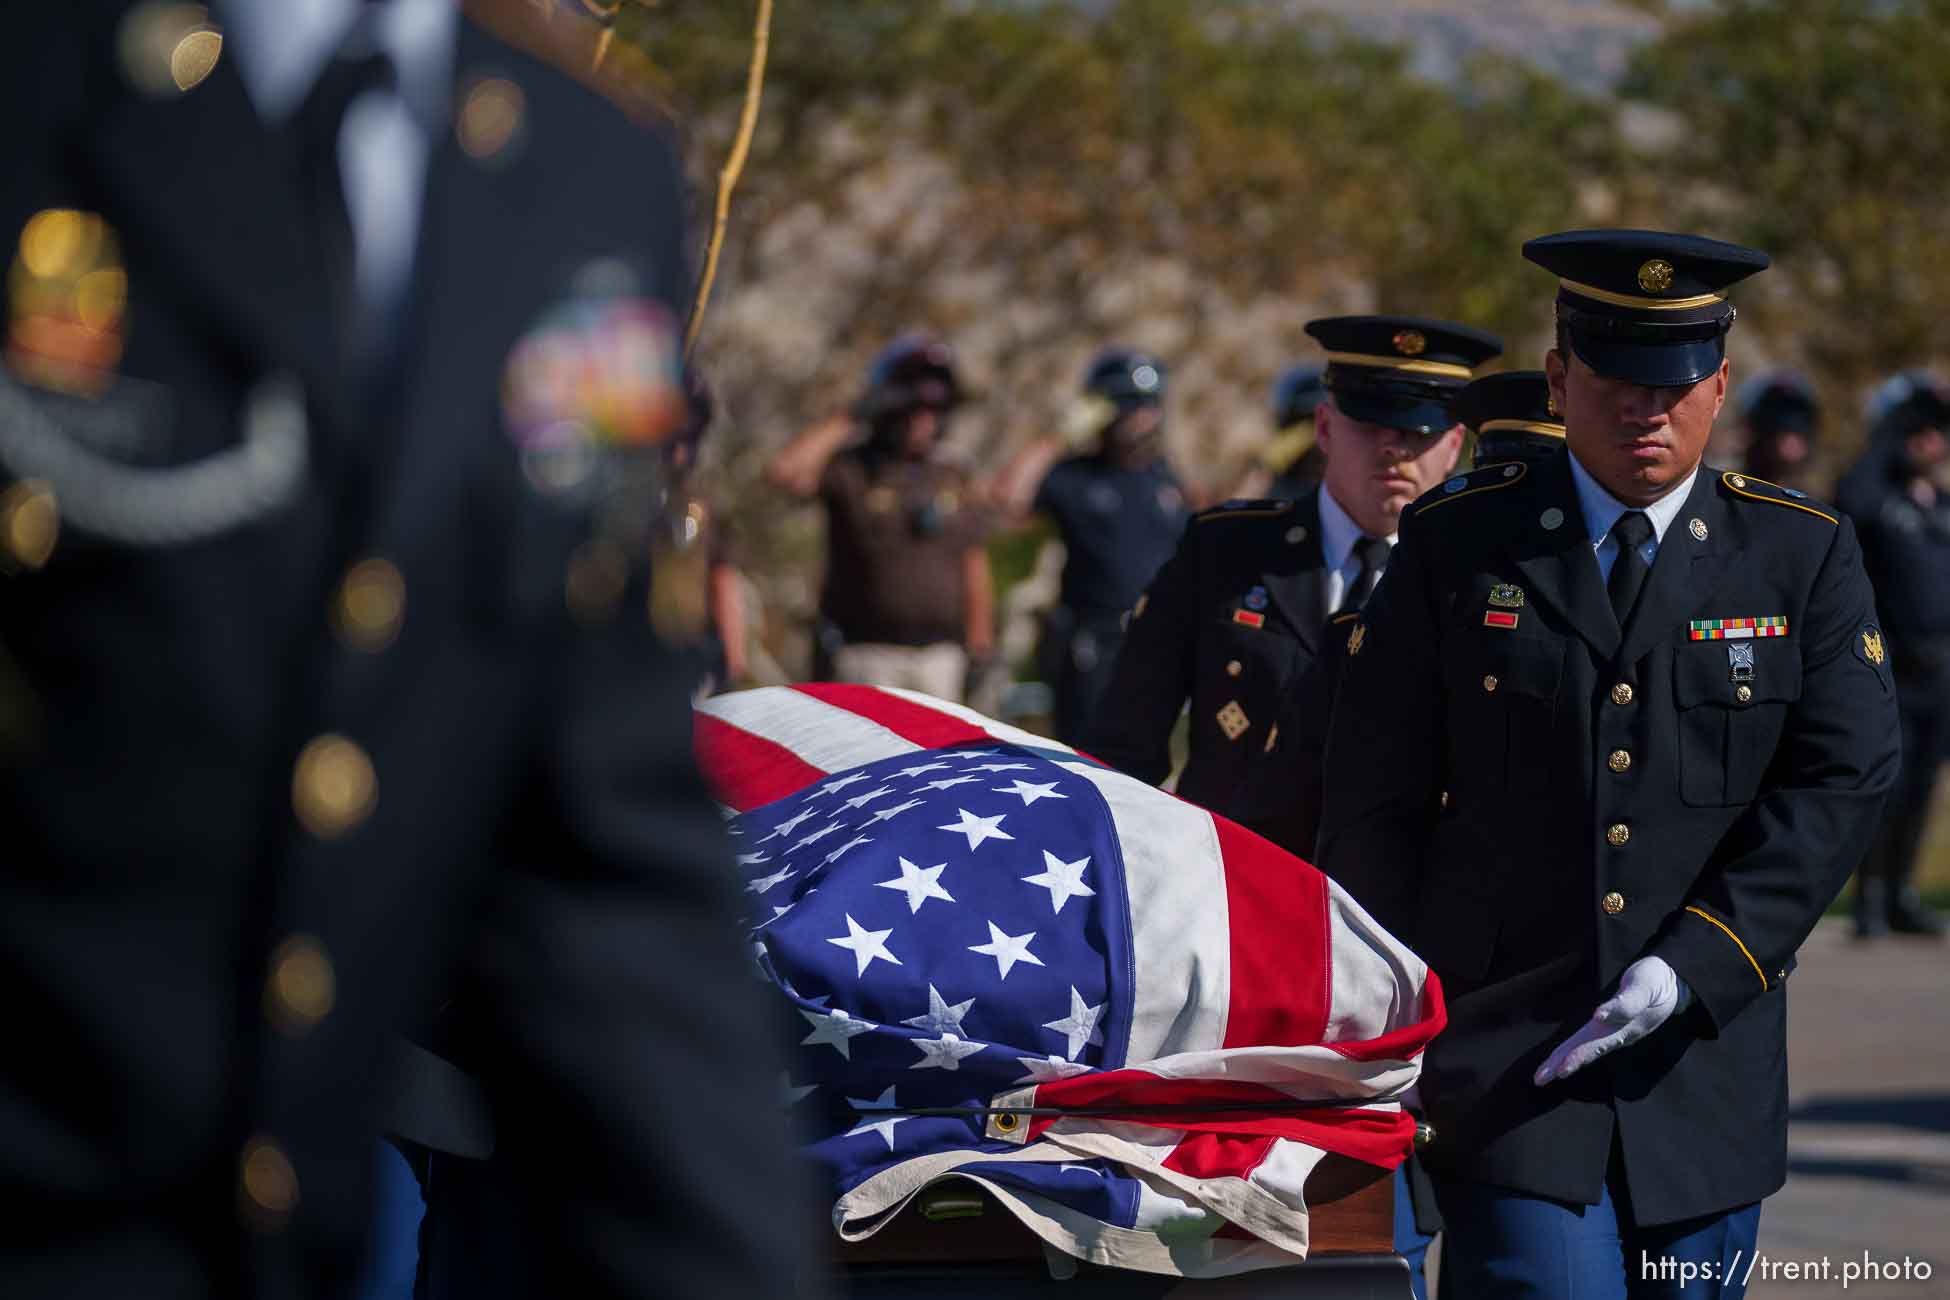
{"x":337,"y":371}
{"x":1898,"y":501}
{"x":1608,"y":742}
{"x":1511,"y":417}
{"x":1119,"y":508}
{"x":1236,"y":619}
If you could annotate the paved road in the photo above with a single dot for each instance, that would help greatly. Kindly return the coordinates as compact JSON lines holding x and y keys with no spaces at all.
{"x":1869,"y":1147}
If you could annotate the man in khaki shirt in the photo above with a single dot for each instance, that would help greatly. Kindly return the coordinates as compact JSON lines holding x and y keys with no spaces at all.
{"x":908,"y":598}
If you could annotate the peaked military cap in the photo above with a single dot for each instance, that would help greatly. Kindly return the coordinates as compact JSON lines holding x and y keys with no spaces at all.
{"x":1645,"y":306}
{"x":1510,"y":414}
{"x":1400,"y":371}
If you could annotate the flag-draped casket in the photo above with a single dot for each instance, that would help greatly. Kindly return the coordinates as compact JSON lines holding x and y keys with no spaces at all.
{"x":1133,"y":1023}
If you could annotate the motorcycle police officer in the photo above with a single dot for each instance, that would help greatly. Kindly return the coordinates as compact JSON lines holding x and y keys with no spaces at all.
{"x":1119,"y":509}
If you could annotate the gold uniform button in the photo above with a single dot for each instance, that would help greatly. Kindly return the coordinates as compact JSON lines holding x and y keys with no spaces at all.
{"x":370,"y":605}
{"x":1489,"y":681}
{"x":1617,"y":833}
{"x":1743,"y":693}
{"x":302,"y":987}
{"x":29,"y":525}
{"x":1621,"y":693}
{"x":1736,"y":480}
{"x":1620,"y":760}
{"x":333,"y":788}
{"x":1613,"y":903}
{"x":1445,"y":799}
{"x":1234,"y":668}
{"x":268,"y":1182}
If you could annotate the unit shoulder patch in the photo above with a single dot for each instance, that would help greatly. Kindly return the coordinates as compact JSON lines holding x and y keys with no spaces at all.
{"x":1490,"y":478}
{"x":1748,"y":488}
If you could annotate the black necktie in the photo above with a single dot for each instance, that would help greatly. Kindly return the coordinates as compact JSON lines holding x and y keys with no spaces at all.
{"x":1373,"y":554}
{"x":1632,"y":531}
{"x":318,"y":124}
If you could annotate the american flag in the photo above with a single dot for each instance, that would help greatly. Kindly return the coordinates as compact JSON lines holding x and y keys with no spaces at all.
{"x":1013,"y":965}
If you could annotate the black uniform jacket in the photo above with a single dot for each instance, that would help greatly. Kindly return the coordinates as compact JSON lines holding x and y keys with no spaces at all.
{"x":207,"y":940}
{"x":1533,"y":802}
{"x":1234,"y":623}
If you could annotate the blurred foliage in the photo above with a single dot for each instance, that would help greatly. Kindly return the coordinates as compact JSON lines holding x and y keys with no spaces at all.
{"x":1258,"y":148}
{"x":1035,"y":178}
{"x":1818,"y":130}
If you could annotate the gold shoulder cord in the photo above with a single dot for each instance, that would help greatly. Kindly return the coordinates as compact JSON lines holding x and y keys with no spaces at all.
{"x":1739,"y":483}
{"x":1499,"y":482}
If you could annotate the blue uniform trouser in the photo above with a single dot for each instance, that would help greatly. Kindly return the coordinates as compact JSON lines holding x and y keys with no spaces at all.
{"x":1503,"y":1245}
{"x":1411,"y":1243}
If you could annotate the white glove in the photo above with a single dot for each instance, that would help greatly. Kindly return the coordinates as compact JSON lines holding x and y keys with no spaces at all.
{"x":1648,"y":994}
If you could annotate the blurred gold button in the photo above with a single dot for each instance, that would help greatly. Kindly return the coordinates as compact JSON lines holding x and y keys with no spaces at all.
{"x":301,"y":987}
{"x":333,"y":787}
{"x":1234,"y":668}
{"x":1743,"y":693}
{"x":1489,"y":681}
{"x":490,"y":117}
{"x":1617,"y":833}
{"x":370,"y":605}
{"x":1736,"y":480}
{"x":1445,"y":799}
{"x":1424,"y":1134}
{"x":29,"y":525}
{"x":1613,"y":903}
{"x":1620,"y":760}
{"x":268,"y":1182}
{"x":1621,"y":693}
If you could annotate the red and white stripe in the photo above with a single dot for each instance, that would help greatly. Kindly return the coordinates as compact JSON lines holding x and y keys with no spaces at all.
{"x":1288,"y":991}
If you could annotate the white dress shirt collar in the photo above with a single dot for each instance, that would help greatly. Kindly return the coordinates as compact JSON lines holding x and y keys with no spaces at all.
{"x":1338,"y":533}
{"x":1601,"y":509}
{"x":281,"y":46}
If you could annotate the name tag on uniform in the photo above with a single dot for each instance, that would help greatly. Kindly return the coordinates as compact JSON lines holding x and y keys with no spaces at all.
{"x":1737,"y":629}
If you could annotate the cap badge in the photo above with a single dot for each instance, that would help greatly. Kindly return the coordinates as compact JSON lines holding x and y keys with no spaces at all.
{"x":1698,"y":529}
{"x":1410,"y":343}
{"x":1655,"y":275}
{"x":1505,"y":596}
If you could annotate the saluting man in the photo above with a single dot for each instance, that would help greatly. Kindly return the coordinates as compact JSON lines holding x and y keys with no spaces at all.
{"x":1609,"y":741}
{"x":1238,"y":616}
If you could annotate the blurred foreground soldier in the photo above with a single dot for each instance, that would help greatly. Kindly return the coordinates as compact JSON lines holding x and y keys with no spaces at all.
{"x":1781,"y":419}
{"x":1290,"y":465}
{"x":908,"y":599}
{"x":1118,"y":508}
{"x":336,"y":374}
{"x":1512,"y":418}
{"x":1896,"y":498}
{"x":1610,"y":737}
{"x":1236,"y":622}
